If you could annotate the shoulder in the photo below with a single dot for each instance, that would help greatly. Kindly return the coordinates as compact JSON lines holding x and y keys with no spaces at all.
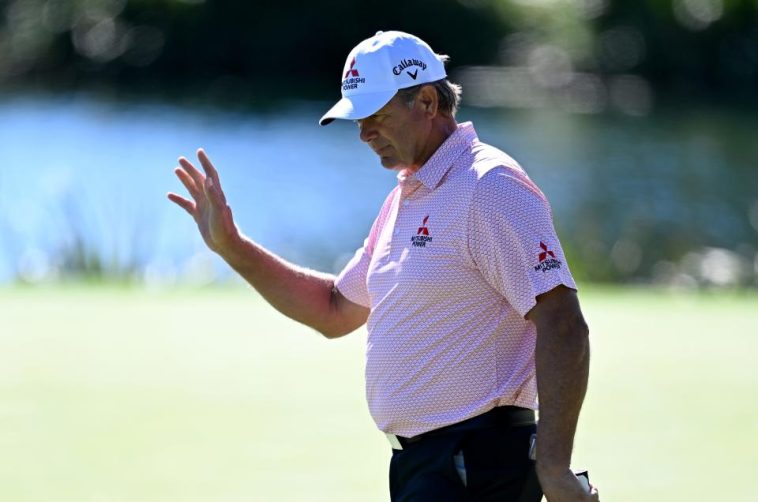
{"x":497,"y":173}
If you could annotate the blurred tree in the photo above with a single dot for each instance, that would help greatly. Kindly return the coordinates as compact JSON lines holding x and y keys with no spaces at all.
{"x":266,"y":48}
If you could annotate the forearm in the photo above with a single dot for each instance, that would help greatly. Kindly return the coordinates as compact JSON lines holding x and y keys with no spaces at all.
{"x":299,"y":293}
{"x":562,"y":361}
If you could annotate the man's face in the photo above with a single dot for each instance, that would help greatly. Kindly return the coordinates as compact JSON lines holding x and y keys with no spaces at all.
{"x":397,"y":133}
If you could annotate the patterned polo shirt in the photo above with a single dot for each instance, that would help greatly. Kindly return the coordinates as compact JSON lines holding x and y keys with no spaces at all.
{"x":452,"y":264}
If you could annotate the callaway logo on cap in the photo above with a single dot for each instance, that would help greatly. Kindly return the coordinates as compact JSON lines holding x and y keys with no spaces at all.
{"x":377,"y":67}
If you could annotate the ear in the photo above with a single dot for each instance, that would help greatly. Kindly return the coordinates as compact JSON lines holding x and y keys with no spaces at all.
{"x":428,"y":100}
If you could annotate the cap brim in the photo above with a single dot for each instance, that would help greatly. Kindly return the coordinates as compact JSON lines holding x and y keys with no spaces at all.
{"x":357,"y":106}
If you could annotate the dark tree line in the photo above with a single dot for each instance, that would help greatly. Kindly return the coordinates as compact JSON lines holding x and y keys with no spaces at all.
{"x":269,"y":48}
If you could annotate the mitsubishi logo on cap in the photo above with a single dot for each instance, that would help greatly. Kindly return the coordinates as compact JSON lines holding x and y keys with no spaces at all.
{"x":351,"y":71}
{"x":352,"y":78}
{"x":370,"y":74}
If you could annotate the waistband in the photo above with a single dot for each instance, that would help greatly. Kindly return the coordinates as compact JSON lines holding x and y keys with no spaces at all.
{"x":502,"y":416}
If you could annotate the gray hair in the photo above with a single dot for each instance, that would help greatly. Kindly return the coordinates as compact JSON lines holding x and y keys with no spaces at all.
{"x":448,"y":93}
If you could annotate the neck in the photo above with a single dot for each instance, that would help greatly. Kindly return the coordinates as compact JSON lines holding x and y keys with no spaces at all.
{"x":442,"y":128}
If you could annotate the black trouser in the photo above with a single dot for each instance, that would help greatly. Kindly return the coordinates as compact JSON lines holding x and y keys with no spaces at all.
{"x":495,"y":458}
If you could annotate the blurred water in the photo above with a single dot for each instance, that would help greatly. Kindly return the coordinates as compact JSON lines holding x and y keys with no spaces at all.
{"x":630,"y":195}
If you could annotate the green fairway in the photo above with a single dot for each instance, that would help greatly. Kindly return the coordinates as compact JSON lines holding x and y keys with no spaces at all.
{"x":110,"y":395}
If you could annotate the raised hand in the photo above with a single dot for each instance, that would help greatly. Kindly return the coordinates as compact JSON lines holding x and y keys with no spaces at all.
{"x":208,"y":204}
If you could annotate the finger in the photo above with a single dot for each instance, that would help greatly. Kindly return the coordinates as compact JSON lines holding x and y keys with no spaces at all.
{"x":196,"y":175}
{"x":188,"y":182}
{"x":212,"y":183}
{"x":180,"y":201}
{"x":208,"y":167}
{"x":214,"y":192}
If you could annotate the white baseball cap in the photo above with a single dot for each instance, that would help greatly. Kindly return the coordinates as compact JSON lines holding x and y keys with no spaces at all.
{"x":377,"y":67}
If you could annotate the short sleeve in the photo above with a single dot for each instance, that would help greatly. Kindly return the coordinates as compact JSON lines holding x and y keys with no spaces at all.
{"x":512,"y":239}
{"x":352,"y":281}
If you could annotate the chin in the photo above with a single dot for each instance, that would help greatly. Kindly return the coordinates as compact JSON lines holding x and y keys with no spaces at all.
{"x":390,"y":163}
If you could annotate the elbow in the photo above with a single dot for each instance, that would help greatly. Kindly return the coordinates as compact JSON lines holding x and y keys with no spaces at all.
{"x":566,"y":326}
{"x":331,"y":331}
{"x":572,"y":333}
{"x":581,"y":329}
{"x":341,"y":317}
{"x":576,"y":324}
{"x":579,"y":336}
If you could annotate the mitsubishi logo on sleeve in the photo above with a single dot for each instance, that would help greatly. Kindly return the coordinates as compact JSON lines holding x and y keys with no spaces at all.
{"x":546,"y":263}
{"x":545,"y":252}
{"x":422,"y":236}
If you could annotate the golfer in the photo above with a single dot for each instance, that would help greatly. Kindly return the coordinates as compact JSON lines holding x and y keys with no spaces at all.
{"x":470,"y":307}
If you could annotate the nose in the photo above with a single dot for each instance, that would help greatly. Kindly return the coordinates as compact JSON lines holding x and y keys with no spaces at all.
{"x":367,"y":131}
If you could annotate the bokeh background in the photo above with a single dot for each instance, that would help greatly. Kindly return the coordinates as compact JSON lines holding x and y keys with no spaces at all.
{"x":134,"y":365}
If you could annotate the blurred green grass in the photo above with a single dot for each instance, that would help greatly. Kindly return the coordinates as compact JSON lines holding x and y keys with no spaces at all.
{"x":115,"y":394}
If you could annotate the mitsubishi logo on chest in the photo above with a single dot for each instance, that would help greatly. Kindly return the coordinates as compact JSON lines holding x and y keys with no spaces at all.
{"x":422,"y":236}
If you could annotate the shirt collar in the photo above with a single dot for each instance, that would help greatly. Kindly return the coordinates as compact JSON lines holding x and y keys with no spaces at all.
{"x":434,"y":169}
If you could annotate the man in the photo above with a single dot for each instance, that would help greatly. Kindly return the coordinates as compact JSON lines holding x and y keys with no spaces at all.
{"x":470,"y":305}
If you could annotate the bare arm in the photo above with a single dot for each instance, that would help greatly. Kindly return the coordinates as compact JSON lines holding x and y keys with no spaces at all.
{"x":301,"y":294}
{"x":304,"y":295}
{"x":562,"y":360}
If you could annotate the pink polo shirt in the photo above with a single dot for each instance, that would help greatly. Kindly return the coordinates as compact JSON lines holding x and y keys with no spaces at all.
{"x":452,"y":264}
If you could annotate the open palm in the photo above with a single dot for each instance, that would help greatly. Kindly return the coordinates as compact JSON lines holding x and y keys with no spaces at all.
{"x":208,"y":204}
